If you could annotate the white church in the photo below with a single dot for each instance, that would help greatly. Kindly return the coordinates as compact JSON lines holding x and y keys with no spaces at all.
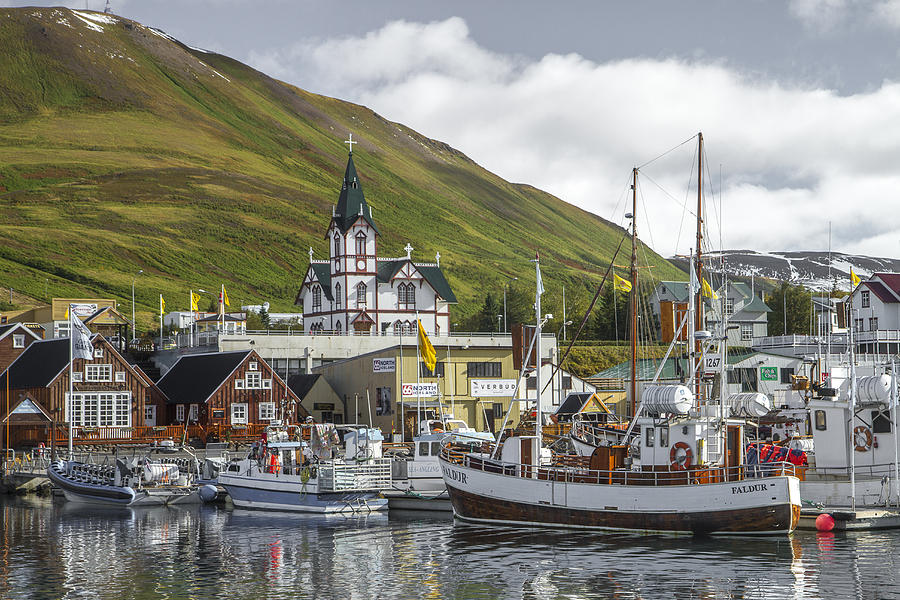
{"x":357,"y":292}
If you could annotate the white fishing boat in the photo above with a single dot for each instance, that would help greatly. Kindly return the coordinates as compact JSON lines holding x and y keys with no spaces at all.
{"x":416,"y":475}
{"x":292,"y":474}
{"x":690,"y":477}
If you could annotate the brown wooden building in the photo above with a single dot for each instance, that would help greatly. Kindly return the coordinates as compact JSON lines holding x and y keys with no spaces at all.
{"x":109,"y":395}
{"x":14,"y":339}
{"x":225,"y":389}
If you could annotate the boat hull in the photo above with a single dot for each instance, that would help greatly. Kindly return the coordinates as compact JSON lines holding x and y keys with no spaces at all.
{"x":266,"y":493}
{"x":767,"y":506}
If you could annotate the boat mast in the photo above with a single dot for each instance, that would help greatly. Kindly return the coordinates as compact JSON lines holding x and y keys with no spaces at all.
{"x":698,"y":313}
{"x":634,"y":282}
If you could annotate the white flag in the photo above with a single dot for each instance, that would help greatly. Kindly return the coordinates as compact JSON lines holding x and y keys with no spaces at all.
{"x":540,"y":281}
{"x":695,"y":285}
{"x":81,"y":338}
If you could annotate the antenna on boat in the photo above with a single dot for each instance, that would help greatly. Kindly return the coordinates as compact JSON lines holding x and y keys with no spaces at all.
{"x":633,"y":385}
{"x":698,"y":323}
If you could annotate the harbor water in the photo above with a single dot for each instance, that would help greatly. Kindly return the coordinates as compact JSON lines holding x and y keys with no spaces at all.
{"x":53,"y":549}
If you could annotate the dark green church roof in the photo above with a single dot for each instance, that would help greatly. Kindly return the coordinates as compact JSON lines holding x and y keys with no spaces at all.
{"x":323,"y":274}
{"x":432,"y":274}
{"x":352,"y":203}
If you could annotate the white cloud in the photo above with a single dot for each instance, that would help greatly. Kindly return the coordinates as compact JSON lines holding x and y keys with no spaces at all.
{"x":791,"y":158}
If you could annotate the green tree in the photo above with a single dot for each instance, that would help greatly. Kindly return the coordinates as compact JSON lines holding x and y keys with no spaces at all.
{"x":609,"y":320}
{"x":796,"y":302}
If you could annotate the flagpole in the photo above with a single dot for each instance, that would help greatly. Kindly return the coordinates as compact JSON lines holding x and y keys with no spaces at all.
{"x":538,"y":413}
{"x":160,"y":321}
{"x":193,"y":320}
{"x":418,"y":387}
{"x":71,"y":360}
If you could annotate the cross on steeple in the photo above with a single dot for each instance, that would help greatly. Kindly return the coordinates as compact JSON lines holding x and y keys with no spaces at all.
{"x":350,"y":142}
{"x":408,"y":249}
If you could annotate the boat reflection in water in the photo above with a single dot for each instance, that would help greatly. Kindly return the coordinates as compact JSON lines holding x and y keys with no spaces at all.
{"x":51,"y":550}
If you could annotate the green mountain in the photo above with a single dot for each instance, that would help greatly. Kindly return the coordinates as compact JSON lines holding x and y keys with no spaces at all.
{"x":122,"y":149}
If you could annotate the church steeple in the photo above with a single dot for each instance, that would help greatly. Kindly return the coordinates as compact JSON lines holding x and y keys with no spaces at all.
{"x":352,"y":202}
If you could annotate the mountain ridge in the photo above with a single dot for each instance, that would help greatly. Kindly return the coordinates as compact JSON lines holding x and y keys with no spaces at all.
{"x":123,"y":149}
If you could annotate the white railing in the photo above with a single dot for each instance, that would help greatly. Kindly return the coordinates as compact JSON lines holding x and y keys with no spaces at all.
{"x":371,"y":475}
{"x":879,"y":335}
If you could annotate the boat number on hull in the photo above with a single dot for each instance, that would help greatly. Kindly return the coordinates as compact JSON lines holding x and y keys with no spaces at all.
{"x":454,"y":475}
{"x":748,"y":489}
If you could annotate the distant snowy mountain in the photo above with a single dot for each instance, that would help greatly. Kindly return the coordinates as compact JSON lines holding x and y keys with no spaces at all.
{"x":812,"y":269}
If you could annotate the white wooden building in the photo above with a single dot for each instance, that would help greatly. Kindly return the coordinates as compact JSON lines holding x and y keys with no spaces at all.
{"x":356,"y":291}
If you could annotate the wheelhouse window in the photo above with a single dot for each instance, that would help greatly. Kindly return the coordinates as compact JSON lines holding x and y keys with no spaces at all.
{"x":650,"y":439}
{"x":821,"y":425}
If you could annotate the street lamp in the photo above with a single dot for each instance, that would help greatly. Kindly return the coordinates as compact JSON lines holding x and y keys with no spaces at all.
{"x":505,"y":286}
{"x":133,"y":322}
{"x":498,"y":322}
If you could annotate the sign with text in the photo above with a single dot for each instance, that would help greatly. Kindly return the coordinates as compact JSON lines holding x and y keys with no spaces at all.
{"x":383,"y":365}
{"x":415,"y":390}
{"x":712,"y":363}
{"x":84,"y":310}
{"x":768,"y":373}
{"x":481,"y":388}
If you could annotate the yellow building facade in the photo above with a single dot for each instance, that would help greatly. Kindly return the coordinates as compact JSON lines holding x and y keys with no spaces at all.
{"x":474,"y":384}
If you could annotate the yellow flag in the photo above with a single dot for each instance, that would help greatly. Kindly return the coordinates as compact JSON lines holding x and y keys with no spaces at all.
{"x":225,"y":296}
{"x":854,"y":278}
{"x":195,"y":299}
{"x":429,"y":356}
{"x":623,"y":285}
{"x":66,"y":317}
{"x":162,"y":304}
{"x":707,"y":291}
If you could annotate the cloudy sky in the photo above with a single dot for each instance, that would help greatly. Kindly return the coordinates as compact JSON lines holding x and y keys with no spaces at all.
{"x":798,"y":101}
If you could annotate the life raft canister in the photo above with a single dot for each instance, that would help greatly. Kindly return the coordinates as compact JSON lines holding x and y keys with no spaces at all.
{"x":862,"y":438}
{"x":680,"y":456}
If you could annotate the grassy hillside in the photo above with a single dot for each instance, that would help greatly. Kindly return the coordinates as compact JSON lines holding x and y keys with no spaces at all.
{"x":121,"y":149}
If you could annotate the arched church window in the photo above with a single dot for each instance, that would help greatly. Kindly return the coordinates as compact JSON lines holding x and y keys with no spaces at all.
{"x":337,"y":328}
{"x":337,"y":295}
{"x":361,"y":290}
{"x":337,"y":245}
{"x":360,"y":244}
{"x":316,"y":298}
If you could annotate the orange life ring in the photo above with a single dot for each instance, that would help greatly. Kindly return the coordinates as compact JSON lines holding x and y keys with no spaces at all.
{"x":678,"y":461}
{"x":862,"y":438}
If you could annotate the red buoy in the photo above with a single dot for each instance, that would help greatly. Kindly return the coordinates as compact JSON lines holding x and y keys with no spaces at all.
{"x":824,"y":522}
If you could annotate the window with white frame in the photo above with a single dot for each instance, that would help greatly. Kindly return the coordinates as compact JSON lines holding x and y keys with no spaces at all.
{"x":149,"y":414}
{"x":238,"y":384}
{"x":101,"y":409}
{"x":361,"y":290}
{"x":253,"y":366}
{"x":864,"y":297}
{"x":254,"y":380}
{"x":77,"y":376}
{"x":266,"y":411}
{"x":360,"y":244}
{"x":337,"y":245}
{"x":316,"y":299}
{"x":94,"y":373}
{"x":120,"y":376}
{"x":267,"y":384}
{"x":746,"y":332}
{"x":194,"y":413}
{"x":729,"y":306}
{"x":18,"y":340}
{"x":179,"y":413}
{"x":239,"y":413}
{"x":98,"y":352}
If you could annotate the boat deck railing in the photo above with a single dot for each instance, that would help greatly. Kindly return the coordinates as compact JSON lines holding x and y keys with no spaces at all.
{"x":843,"y":473}
{"x":576,"y":469}
{"x":370,"y":475}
